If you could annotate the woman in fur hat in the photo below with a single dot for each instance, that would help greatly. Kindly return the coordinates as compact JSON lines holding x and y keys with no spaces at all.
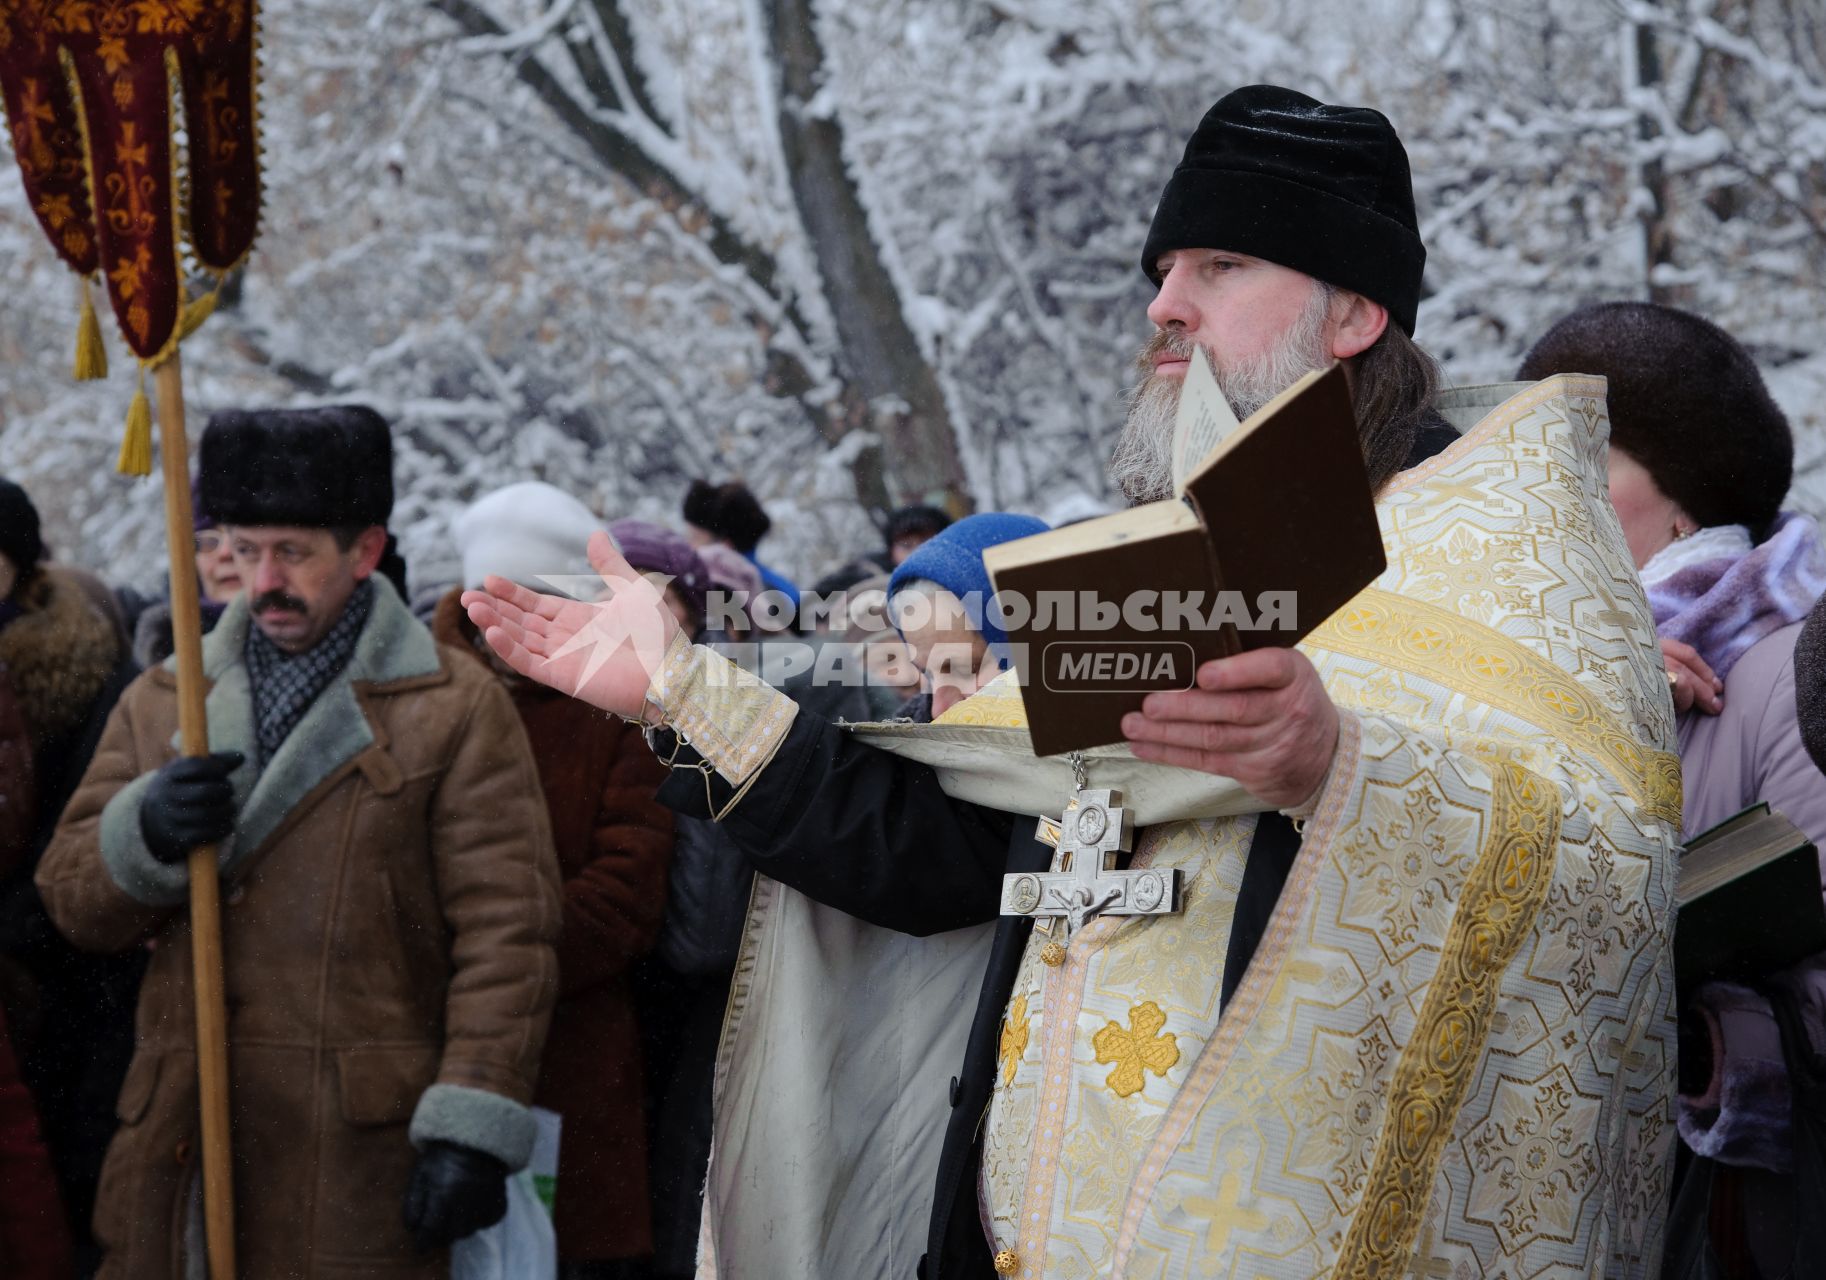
{"x":1701,"y":458}
{"x":65,"y":655}
{"x":34,"y":1241}
{"x":1700,"y":463}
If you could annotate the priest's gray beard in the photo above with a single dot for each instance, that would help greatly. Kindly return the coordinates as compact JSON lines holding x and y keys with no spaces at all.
{"x":1142,"y":465}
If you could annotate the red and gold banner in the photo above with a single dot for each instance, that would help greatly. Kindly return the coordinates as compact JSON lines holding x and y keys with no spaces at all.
{"x":88,"y":92}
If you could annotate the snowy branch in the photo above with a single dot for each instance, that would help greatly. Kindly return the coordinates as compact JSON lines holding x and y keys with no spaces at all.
{"x":620,"y":151}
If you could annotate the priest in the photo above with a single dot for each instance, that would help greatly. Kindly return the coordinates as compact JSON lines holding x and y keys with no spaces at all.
{"x":1410,"y":1010}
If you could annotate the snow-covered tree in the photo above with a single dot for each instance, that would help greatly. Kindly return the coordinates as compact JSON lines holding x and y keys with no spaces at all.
{"x":863,"y":252}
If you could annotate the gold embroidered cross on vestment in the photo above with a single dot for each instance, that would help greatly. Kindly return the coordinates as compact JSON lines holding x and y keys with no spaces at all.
{"x":1145,"y":1046}
{"x":1014,"y":1038}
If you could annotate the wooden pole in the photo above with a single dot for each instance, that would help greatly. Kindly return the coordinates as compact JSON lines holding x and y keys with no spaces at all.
{"x":205,"y":882}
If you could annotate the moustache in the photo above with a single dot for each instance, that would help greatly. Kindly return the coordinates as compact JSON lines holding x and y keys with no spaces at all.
{"x":1167,"y":342}
{"x":277,"y":600}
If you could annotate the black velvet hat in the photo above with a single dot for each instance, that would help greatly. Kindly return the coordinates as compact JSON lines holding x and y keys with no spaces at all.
{"x":1686,"y":401}
{"x":1283,"y":177}
{"x":322,"y":468}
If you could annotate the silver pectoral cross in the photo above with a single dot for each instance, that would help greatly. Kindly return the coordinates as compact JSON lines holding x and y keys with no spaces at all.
{"x":1084,"y":882}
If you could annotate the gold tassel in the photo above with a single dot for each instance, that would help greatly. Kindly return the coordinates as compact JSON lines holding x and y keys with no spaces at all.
{"x":136,"y":446}
{"x":196,"y":311}
{"x":91,"y":356}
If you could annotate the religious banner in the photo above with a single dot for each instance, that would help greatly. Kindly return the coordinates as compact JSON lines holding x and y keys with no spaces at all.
{"x":88,"y":87}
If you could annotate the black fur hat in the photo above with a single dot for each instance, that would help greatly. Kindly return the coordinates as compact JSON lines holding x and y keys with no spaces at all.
{"x":325,"y":468}
{"x":1283,"y":177}
{"x":1686,"y":401}
{"x":727,"y":511}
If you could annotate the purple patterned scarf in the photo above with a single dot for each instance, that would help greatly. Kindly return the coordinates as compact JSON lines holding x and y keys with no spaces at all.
{"x":1722,"y":604}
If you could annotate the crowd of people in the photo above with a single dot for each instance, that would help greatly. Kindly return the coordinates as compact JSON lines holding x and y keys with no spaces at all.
{"x":619,"y":934}
{"x":475,"y":868}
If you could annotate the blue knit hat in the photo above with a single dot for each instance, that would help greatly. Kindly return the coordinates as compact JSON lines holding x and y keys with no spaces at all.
{"x":953,"y":558}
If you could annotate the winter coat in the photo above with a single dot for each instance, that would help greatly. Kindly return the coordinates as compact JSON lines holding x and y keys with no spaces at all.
{"x":18,"y":782}
{"x":67,"y":658}
{"x":1810,"y":682}
{"x":18,"y":811}
{"x":71,"y":1014}
{"x":389,"y":929}
{"x":34,"y":1239}
{"x":614,"y":842}
{"x":1752,"y":750}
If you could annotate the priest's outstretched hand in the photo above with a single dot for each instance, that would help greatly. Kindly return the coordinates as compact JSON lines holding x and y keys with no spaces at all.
{"x":1262,"y":718}
{"x":603,"y":652}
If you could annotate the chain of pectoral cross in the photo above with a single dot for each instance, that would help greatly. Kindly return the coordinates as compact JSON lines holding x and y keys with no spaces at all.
{"x":1084,"y":882}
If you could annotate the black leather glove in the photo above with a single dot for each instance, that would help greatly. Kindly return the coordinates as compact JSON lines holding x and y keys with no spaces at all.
{"x":189,"y":803}
{"x":454,"y":1192}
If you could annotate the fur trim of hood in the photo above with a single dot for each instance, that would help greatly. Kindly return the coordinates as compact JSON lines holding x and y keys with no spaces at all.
{"x":450,"y":625}
{"x":58,"y":654}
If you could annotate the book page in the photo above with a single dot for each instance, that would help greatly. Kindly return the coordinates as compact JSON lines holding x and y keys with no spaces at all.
{"x":1203,"y":422}
{"x":1734,"y":849}
{"x":1256,"y":421}
{"x":1146,"y":521}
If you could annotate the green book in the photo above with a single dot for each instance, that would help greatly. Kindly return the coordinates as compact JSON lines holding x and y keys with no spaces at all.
{"x":1748,"y":901}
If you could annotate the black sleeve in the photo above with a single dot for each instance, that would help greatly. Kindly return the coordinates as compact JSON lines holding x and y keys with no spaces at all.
{"x":858,"y":829}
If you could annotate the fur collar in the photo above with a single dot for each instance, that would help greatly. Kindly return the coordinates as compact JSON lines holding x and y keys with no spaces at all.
{"x":58,"y":654}
{"x":394,"y":653}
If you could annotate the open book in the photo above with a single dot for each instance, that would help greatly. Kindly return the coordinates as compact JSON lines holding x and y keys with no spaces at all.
{"x":1276,"y":529}
{"x":1748,"y":899}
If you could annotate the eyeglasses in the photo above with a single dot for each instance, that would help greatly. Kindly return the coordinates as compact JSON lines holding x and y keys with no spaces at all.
{"x":211,"y":541}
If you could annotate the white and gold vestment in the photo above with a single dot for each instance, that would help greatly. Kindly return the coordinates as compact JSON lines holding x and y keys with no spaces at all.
{"x":1452,"y":1054}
